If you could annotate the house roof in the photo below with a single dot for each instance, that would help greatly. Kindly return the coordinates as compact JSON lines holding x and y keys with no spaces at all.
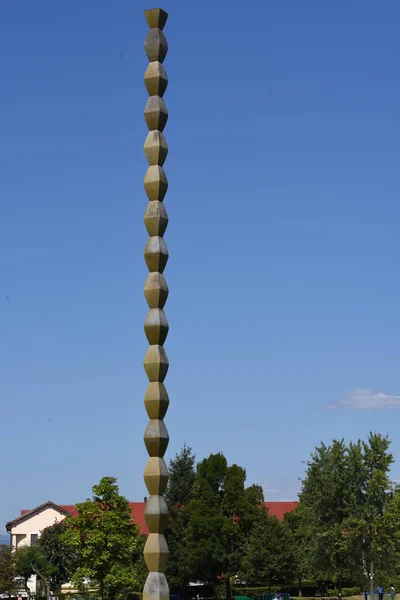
{"x":278,"y":509}
{"x":28,"y":513}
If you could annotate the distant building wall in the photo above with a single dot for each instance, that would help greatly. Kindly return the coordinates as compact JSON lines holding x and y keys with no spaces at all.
{"x":28,"y":529}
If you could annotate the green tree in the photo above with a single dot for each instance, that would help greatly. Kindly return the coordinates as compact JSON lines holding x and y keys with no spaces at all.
{"x":58,"y":554}
{"x":325,"y":503}
{"x":268,"y":556}
{"x":31,"y":561}
{"x":345,"y":496}
{"x":220,"y":517}
{"x":370,"y":525}
{"x":105,"y":539}
{"x":300,"y":541}
{"x":8,"y":584}
{"x":139,"y":563}
{"x":179,"y":568}
{"x":182,"y":475}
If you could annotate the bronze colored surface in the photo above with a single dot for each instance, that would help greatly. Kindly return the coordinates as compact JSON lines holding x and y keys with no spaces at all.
{"x":156,"y":552}
{"x":155,"y":45}
{"x":155,"y":148}
{"x":156,"y":290}
{"x":156,"y":113}
{"x":156,"y":400}
{"x":156,"y":218}
{"x":156,"y":254}
{"x":156,"y":476}
{"x":155,"y":183}
{"x":156,"y":17}
{"x":156,"y":363}
{"x":156,"y":437}
{"x":155,"y":79}
{"x":156,"y":326}
{"x":156,"y":514}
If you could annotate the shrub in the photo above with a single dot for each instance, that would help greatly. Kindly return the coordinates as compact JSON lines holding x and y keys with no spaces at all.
{"x":254,"y":592}
{"x":353,"y":591}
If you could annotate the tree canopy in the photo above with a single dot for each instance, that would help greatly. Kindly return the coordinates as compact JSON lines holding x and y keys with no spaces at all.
{"x":346,"y":502}
{"x":104,"y":538}
{"x":8,"y":583}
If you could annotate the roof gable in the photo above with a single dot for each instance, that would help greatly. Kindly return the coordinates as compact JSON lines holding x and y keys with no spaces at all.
{"x":27,"y":514}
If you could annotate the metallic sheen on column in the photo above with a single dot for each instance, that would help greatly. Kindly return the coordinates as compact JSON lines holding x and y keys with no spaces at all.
{"x":156,"y":292}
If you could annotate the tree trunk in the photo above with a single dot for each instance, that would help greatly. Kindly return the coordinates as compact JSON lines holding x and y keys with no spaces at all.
{"x":228,"y":592}
{"x":300,"y":581}
{"x":102,"y":590}
{"x":339,"y":587}
{"x":45,"y":582}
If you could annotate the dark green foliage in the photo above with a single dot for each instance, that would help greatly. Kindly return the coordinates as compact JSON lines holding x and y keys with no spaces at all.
{"x":353,"y":591}
{"x":178,"y":571}
{"x":31,"y":561}
{"x":138,"y":561}
{"x":182,"y":476}
{"x":220,"y":519}
{"x":300,"y":541}
{"x":59,"y":555}
{"x":7,"y":570}
{"x":254,"y":592}
{"x":268,"y":555}
{"x":207,"y":533}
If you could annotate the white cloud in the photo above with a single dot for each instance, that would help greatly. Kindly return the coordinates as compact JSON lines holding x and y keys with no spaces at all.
{"x":366,"y":399}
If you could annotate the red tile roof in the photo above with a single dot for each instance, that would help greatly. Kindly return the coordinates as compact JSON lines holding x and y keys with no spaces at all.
{"x":278,"y":509}
{"x":137,"y":511}
{"x":70,"y":508}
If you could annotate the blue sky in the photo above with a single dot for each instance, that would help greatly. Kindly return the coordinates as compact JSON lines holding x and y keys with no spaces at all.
{"x":284,"y":142}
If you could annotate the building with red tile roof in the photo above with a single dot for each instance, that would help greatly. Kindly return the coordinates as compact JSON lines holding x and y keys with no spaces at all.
{"x":25,"y":529}
{"x":48,"y":510}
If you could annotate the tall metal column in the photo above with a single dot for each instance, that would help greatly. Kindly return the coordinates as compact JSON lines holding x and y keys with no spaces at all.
{"x":156,"y":292}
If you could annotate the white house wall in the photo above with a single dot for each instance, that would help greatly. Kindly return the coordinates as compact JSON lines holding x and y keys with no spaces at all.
{"x":34,"y":524}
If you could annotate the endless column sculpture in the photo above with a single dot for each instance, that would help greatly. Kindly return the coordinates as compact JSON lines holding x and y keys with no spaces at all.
{"x":156,"y":325}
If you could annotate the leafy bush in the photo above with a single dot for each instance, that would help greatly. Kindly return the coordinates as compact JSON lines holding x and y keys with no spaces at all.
{"x":353,"y":591}
{"x":254,"y":592}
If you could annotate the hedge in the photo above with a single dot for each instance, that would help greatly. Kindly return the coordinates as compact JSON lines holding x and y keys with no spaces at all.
{"x":353,"y":591}
{"x":253,"y":592}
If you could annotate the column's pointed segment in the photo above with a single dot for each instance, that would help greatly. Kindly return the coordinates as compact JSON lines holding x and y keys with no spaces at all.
{"x":156,"y":400}
{"x":156,"y":113}
{"x":156,"y":17}
{"x":155,"y":45}
{"x":156,"y":363}
{"x":156,"y":587}
{"x":156,"y":437}
{"x":155,"y":79}
{"x":156,"y":514}
{"x":156,"y":218}
{"x":156,"y":148}
{"x":156,"y":552}
{"x":155,"y":183}
{"x":156,"y":476}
